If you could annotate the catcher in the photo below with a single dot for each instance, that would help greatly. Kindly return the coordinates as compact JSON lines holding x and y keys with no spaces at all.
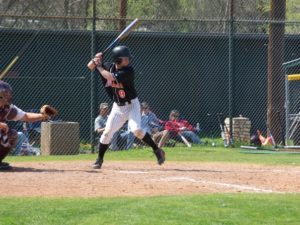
{"x":8,"y":111}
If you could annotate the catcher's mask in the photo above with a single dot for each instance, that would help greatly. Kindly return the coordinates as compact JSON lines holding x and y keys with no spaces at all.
{"x":5,"y":93}
{"x":254,"y":140}
{"x":119,"y":52}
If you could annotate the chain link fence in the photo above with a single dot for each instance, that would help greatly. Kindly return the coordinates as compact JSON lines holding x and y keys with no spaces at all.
{"x":199,"y":60}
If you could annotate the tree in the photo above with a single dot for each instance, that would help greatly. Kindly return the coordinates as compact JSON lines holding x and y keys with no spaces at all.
{"x":275,"y":71}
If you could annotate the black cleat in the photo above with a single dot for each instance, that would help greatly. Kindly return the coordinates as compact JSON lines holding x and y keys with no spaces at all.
{"x":98,"y":164}
{"x":5,"y":166}
{"x":160,"y":155}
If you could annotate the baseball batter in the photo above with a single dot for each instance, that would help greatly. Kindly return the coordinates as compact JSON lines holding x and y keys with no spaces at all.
{"x":118,"y":80}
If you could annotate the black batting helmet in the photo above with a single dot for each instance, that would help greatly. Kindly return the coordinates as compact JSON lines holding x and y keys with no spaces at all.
{"x":119,"y":52}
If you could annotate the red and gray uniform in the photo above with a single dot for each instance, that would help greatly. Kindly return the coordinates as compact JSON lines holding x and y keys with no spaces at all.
{"x":9,"y":139}
{"x":9,"y":112}
{"x":126,"y":104}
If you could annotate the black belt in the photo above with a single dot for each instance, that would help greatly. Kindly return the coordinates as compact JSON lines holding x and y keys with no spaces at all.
{"x":123,"y":103}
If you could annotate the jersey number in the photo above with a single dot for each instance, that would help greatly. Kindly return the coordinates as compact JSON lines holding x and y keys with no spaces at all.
{"x":121,"y":93}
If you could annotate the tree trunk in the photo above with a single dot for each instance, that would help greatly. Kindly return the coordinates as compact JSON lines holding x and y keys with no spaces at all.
{"x":275,"y":72}
{"x":123,"y":14}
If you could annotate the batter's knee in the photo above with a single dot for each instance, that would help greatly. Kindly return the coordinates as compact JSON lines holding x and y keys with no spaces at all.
{"x":106,"y":137}
{"x":139,"y":134}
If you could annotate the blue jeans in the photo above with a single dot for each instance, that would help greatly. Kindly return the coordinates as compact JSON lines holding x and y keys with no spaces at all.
{"x":191,"y":136}
{"x":21,"y":138}
{"x":130,"y":140}
{"x":119,"y":140}
{"x":114,"y":142}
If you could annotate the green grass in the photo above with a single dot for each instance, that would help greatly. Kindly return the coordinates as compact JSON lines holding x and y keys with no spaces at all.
{"x":215,"y":209}
{"x":182,"y":153}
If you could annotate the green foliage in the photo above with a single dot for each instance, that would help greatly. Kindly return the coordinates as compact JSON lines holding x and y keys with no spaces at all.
{"x":238,"y":209}
{"x":293,"y":14}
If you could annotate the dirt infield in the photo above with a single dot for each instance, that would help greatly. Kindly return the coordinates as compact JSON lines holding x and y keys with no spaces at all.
{"x":76,"y":178}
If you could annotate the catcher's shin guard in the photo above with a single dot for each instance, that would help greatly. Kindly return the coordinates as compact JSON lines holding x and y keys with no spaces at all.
{"x":3,"y":153}
{"x":5,"y":166}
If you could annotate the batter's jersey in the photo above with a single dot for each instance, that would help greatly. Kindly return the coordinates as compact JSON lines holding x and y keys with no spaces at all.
{"x":121,"y":90}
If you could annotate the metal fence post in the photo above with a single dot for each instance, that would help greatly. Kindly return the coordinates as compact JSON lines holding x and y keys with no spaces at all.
{"x":92,"y":78}
{"x":230,"y":65}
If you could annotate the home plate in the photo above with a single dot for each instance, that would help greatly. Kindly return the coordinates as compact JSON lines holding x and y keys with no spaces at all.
{"x":132,"y":172}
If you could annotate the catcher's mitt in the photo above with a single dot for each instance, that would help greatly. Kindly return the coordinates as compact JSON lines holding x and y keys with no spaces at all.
{"x":48,"y":111}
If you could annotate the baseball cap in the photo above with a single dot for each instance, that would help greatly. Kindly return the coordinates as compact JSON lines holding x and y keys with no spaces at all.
{"x":175,"y":113}
{"x":104,"y":105}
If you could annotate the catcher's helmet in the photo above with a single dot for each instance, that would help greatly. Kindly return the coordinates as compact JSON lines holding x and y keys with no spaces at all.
{"x":254,"y":140}
{"x":119,"y":52}
{"x":5,"y":93}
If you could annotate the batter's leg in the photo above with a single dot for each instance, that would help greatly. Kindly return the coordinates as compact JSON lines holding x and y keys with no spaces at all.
{"x":134,"y":121}
{"x":115,"y":121}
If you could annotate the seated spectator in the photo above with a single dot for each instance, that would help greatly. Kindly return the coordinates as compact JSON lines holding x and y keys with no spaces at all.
{"x":153,"y":121}
{"x":269,"y":140}
{"x":100,"y":123}
{"x":173,"y":128}
{"x":21,"y":138}
{"x":145,"y":125}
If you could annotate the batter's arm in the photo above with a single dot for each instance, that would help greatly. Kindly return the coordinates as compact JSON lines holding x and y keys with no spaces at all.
{"x":106,"y":74}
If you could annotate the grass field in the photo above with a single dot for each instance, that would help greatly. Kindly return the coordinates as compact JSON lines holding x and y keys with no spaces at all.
{"x":194,"y":154}
{"x":213,"y":209}
{"x":217,"y":209}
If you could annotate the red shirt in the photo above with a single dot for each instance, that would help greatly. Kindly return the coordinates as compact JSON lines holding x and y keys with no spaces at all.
{"x":175,"y":125}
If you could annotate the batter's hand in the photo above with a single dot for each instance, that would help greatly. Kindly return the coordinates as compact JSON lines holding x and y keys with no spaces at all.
{"x":95,"y":61}
{"x":98,"y":58}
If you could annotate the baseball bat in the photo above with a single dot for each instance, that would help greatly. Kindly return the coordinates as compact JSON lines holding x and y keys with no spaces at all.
{"x":281,"y":128}
{"x":185,"y":140}
{"x":219,"y":115}
{"x":21,"y":52}
{"x":91,"y":65}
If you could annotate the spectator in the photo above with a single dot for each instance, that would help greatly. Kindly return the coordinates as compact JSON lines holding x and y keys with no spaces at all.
{"x":26,"y":138}
{"x":153,"y":121}
{"x":145,"y":126}
{"x":21,"y":138}
{"x":100,"y":123}
{"x":175,"y":126}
